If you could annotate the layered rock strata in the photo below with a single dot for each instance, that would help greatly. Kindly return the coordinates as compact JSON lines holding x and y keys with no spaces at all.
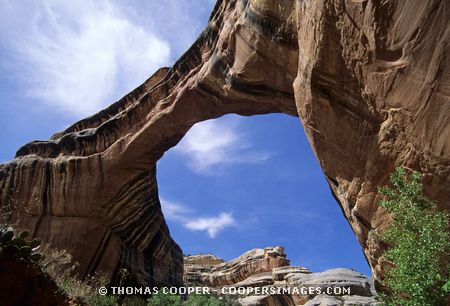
{"x":370,"y":81}
{"x":200,"y":269}
{"x":268,"y":268}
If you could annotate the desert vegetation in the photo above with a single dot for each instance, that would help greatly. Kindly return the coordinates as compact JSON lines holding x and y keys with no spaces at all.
{"x":416,"y":270}
{"x":161,"y":299}
{"x":58,"y":269}
{"x":418,"y":244}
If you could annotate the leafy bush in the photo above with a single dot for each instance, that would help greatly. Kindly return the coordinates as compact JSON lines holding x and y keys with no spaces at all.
{"x":208,"y":300}
{"x":134,"y":301}
{"x":103,"y":300}
{"x":419,"y":244}
{"x":161,"y":299}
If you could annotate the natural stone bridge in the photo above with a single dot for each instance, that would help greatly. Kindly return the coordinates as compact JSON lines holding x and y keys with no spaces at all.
{"x":369,"y":80}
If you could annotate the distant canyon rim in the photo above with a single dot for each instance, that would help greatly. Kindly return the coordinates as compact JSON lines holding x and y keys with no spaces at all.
{"x":369,"y":80}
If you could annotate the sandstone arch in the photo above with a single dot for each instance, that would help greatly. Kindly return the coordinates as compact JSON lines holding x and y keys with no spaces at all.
{"x":369,"y":79}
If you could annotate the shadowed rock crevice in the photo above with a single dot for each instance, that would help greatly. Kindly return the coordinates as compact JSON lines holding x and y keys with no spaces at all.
{"x":365,"y":107}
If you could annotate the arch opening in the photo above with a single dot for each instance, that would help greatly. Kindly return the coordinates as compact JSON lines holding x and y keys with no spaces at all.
{"x":237,"y":183}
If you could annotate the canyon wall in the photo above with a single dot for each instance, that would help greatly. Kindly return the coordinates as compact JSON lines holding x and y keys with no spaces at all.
{"x":369,"y":80}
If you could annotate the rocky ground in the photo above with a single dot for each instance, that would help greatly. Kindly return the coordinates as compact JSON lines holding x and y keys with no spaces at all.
{"x":269,"y":267}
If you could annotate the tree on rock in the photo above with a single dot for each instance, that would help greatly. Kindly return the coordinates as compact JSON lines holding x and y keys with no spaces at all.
{"x":418,"y":244}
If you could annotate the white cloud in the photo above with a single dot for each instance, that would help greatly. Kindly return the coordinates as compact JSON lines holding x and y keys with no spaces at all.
{"x":212,"y":225}
{"x":78,"y":56}
{"x":173,"y":210}
{"x":214,"y":143}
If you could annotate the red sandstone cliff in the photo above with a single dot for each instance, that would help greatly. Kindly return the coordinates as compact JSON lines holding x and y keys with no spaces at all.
{"x":369,"y":80}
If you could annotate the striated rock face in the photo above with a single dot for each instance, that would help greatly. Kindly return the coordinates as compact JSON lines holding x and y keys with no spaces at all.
{"x":203,"y":260}
{"x":358,"y":283}
{"x":370,"y":81}
{"x":199,"y":269}
{"x":324,"y":300}
{"x":268,"y":268}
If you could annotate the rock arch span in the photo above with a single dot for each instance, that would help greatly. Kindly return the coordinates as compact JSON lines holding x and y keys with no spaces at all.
{"x":369,"y":80}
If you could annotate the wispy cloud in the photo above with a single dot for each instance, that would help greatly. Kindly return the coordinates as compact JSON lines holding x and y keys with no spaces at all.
{"x":212,"y":144}
{"x":212,"y":225}
{"x":174,"y":210}
{"x":78,"y":56}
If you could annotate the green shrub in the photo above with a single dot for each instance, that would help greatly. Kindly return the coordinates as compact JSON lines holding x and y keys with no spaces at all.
{"x":134,"y":301}
{"x":103,"y":300}
{"x":161,"y":299}
{"x":418,"y":244}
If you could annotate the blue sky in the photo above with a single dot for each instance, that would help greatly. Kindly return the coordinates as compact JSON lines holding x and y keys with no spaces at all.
{"x":232,"y":184}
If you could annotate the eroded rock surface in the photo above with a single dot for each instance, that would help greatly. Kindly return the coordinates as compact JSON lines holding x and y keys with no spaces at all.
{"x":269,"y":268}
{"x":370,"y":81}
{"x":198,"y":269}
{"x":203,"y":260}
